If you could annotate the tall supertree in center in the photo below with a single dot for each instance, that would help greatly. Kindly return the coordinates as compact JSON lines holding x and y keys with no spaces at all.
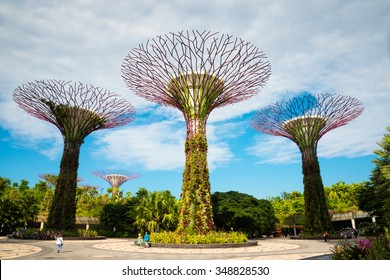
{"x":76,"y":110}
{"x":195,"y":72}
{"x":115,"y":178}
{"x":305,"y":119}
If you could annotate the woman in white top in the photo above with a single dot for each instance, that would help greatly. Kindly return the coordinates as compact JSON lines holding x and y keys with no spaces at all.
{"x":59,"y":242}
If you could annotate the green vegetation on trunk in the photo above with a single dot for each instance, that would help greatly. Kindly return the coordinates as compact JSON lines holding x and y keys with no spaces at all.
{"x":195,"y":214}
{"x":62,"y":213}
{"x":317,"y":218}
{"x":75,"y":123}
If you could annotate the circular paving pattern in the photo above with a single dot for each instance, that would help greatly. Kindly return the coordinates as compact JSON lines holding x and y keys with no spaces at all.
{"x":260,"y":248}
{"x":14,"y":250}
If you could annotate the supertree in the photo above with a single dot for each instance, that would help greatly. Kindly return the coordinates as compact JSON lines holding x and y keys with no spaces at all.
{"x":52,"y":179}
{"x":195,"y":72}
{"x":305,"y":119}
{"x":76,"y":110}
{"x":115,"y":178}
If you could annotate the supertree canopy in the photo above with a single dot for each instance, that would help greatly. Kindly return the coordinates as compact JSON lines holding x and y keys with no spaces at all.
{"x":195,"y":72}
{"x":116,"y":178}
{"x":52,"y":179}
{"x":76,"y":110}
{"x":305,"y":119}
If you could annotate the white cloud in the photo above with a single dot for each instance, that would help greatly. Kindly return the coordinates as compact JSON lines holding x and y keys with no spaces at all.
{"x":357,"y":138}
{"x":334,"y":46}
{"x":219,"y":154}
{"x":155,"y":146}
{"x":346,"y":141}
{"x":274,"y":150}
{"x":29,"y":132}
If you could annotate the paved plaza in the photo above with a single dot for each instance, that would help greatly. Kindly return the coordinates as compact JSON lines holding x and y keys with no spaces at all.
{"x":124,"y":249}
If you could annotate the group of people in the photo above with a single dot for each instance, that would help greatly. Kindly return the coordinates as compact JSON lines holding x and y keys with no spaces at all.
{"x":145,"y":241}
{"x":25,"y":233}
{"x":141,"y":242}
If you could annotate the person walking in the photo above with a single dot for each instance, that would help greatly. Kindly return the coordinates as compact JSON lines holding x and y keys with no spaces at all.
{"x":59,"y":242}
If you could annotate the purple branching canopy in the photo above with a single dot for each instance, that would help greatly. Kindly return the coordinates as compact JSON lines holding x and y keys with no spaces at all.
{"x":195,"y":71}
{"x":307,"y":117}
{"x":116,"y":178}
{"x":75,"y":108}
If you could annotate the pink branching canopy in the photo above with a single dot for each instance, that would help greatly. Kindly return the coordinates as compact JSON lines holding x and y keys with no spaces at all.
{"x":116,"y":178}
{"x":52,"y":179}
{"x":88,"y":188}
{"x":307,"y":116}
{"x":225,"y":69}
{"x":74,"y":106}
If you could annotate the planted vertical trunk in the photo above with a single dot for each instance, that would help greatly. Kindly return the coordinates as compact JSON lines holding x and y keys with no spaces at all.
{"x":317,"y":218}
{"x":305,"y":119}
{"x":195,"y":72}
{"x":76,"y":110}
{"x":195,"y":213}
{"x":62,"y":214}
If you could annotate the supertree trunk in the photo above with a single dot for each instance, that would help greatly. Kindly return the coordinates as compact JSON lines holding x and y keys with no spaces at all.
{"x":304,"y":120}
{"x":76,"y":110}
{"x":116,"y":178}
{"x":195,"y":72}
{"x":317,"y":218}
{"x":195,"y":213}
{"x":62,"y":214}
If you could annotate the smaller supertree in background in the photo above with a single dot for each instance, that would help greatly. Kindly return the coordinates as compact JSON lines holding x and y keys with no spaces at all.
{"x":52,"y":179}
{"x":76,"y":110}
{"x":304,"y":120}
{"x":116,"y":178}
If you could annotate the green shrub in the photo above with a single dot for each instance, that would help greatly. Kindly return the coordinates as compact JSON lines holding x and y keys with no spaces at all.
{"x":79,"y":233}
{"x":87,"y":233}
{"x":209,"y":238}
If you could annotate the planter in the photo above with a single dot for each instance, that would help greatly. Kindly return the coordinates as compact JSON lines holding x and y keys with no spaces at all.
{"x":203,"y":246}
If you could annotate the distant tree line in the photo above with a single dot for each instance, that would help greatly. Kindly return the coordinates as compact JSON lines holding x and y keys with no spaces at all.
{"x":125,"y":214}
{"x":340,"y":198}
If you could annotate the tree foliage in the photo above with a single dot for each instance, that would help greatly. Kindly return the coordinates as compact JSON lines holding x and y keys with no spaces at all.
{"x":155,"y":211}
{"x":242,"y":212}
{"x":89,"y":202}
{"x":19,"y":205}
{"x":115,"y":217}
{"x":374,"y":197}
{"x":340,"y":198}
{"x":158,"y":211}
{"x":289,"y":208}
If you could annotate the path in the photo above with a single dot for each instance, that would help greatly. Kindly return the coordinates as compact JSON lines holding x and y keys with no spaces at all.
{"x":124,"y":249}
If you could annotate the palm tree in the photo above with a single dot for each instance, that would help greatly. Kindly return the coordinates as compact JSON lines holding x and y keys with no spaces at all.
{"x":156,"y":211}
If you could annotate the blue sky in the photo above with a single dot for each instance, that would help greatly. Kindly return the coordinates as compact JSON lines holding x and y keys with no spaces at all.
{"x":335,"y":46}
